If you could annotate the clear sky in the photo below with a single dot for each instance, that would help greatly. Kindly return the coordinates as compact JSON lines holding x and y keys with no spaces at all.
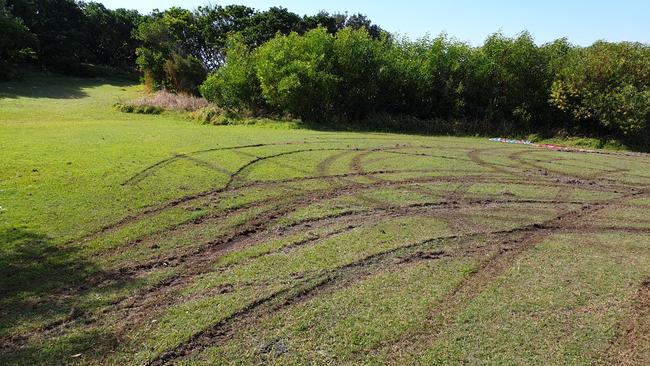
{"x":582,"y":21}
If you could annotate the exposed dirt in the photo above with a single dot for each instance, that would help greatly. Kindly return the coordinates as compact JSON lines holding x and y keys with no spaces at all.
{"x":632,"y":343}
{"x":496,"y":250}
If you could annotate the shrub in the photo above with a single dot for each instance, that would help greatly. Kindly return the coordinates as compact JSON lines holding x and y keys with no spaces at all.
{"x":210,"y":116}
{"x":185,"y":74}
{"x":609,"y":84}
{"x":163,"y":100}
{"x":357,"y":64}
{"x":295,"y":74}
{"x":151,"y":63}
{"x":234,"y":86}
{"x":141,"y":109}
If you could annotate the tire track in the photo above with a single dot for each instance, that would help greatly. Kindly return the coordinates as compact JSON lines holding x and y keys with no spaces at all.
{"x":631,"y":346}
{"x":489,"y":270}
{"x":185,"y":199}
{"x":305,"y":290}
{"x":251,"y":232}
{"x":146,"y":172}
{"x":446,"y":179}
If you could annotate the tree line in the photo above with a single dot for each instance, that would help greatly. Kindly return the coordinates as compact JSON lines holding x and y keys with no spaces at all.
{"x":66,"y":35}
{"x":509,"y":84}
{"x":335,"y":67}
{"x":63,"y":35}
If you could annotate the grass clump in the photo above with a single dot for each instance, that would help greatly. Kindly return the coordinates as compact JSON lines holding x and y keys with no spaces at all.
{"x":587,"y":143}
{"x":210,"y":116}
{"x":141,"y":109}
{"x":216,"y":116}
{"x":161,"y":101}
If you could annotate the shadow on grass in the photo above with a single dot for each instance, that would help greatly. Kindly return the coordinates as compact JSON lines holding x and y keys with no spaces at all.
{"x":55,"y":86}
{"x":39,"y":287}
{"x":464,"y":128}
{"x":84,"y":347}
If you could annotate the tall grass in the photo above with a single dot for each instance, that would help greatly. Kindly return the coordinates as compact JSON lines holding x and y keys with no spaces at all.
{"x":164,"y":100}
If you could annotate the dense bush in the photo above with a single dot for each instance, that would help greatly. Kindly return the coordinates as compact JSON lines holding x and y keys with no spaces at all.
{"x":314,"y":76}
{"x":356,"y":65}
{"x":157,"y":46}
{"x":425,"y":78}
{"x":235,"y":86}
{"x":204,"y":33}
{"x":295,"y":73}
{"x":609,"y":84}
{"x":508,"y":85}
{"x":185,"y":74}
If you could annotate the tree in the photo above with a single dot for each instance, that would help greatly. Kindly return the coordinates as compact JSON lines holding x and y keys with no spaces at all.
{"x":608,"y":84}
{"x":185,"y":74}
{"x":336,"y":22}
{"x":157,"y":44}
{"x":360,"y":21}
{"x":265,"y":25}
{"x":507,"y":82}
{"x":331,"y":22}
{"x":295,"y":73}
{"x":59,"y":26}
{"x":216,"y":23}
{"x":108,"y":35}
{"x":16,"y":42}
{"x":235,"y":86}
{"x":357,"y":64}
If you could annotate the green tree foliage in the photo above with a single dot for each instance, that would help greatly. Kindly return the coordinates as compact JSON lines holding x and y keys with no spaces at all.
{"x":67,"y":34}
{"x":357,"y":64}
{"x":16,"y":42}
{"x":512,"y":79}
{"x":185,"y":73}
{"x":217,"y":23}
{"x":313,"y":76}
{"x":265,"y":25}
{"x":607,"y":83}
{"x":295,"y":73}
{"x":425,"y":78}
{"x":235,"y":86}
{"x":506,"y":85}
{"x":336,"y":22}
{"x":157,"y":46}
{"x":169,"y":43}
{"x":204,"y":33}
{"x":108,"y":35}
{"x":60,"y":28}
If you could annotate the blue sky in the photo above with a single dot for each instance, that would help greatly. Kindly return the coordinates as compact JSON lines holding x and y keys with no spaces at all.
{"x":582,"y":21}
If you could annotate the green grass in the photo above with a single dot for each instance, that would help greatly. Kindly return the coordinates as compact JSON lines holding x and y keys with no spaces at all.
{"x":558,"y":305}
{"x":129,"y":237}
{"x":346,"y":324}
{"x":585,"y":143}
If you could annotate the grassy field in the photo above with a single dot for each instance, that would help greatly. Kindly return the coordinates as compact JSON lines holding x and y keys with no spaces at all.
{"x":152,"y":240}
